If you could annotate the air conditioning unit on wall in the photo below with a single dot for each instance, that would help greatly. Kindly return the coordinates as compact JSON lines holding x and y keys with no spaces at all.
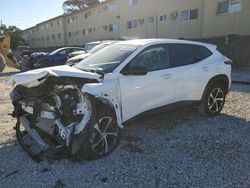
{"x":141,"y":21}
{"x":174,"y":15}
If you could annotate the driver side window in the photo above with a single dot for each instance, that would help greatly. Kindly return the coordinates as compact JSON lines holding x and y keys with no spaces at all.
{"x":153,"y":58}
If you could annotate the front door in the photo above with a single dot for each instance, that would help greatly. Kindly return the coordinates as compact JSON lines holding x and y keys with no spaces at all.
{"x":140,"y":93}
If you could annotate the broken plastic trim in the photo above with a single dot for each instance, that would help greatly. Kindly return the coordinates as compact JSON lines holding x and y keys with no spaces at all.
{"x":94,"y":90}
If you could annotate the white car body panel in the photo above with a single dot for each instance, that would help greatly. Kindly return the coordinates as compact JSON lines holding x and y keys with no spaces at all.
{"x":57,"y":71}
{"x":156,"y":85}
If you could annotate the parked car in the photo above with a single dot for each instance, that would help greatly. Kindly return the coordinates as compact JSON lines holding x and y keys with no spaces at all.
{"x":34,"y":57}
{"x":77,"y":59}
{"x":83,"y":108}
{"x":57,"y":57}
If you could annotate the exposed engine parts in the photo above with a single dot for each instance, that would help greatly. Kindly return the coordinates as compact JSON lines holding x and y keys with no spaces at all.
{"x":61,"y":114}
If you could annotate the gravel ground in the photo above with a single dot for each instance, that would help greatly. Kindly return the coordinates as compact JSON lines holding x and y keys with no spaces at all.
{"x":177,"y":149}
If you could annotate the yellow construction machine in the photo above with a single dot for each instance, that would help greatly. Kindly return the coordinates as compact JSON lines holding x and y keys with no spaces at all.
{"x":6,"y":58}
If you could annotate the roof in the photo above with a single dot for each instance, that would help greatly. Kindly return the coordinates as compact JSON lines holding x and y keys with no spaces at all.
{"x":142,"y":42}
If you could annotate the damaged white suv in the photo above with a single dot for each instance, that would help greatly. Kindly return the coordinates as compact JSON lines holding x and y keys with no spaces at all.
{"x":81,"y":109}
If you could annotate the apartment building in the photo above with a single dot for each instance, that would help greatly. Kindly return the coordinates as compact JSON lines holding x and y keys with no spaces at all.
{"x":143,"y":19}
{"x":49,"y":33}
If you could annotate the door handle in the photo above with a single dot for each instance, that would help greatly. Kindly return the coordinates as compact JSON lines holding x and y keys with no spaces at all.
{"x":167,"y":76}
{"x":205,"y":69}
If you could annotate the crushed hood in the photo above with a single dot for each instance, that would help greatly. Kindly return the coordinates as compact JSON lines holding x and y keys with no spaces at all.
{"x":59,"y":71}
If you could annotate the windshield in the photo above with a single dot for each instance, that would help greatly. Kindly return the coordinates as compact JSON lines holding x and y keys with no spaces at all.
{"x":89,"y":46}
{"x":97,"y":48}
{"x":107,"y":59}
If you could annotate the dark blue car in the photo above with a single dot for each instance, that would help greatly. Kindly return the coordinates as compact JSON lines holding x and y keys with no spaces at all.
{"x":57,"y":57}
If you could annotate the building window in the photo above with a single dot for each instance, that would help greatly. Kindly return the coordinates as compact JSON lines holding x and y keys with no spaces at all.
{"x":84,"y":32}
{"x":163,"y":17}
{"x":58,"y":22}
{"x":89,"y":30}
{"x":132,"y":24}
{"x":47,"y":38}
{"x":151,"y":19}
{"x":132,"y":2}
{"x":53,"y":37}
{"x":105,"y":28}
{"x":70,"y":34}
{"x":59,"y":36}
{"x":113,"y":8}
{"x":112,"y":28}
{"x":51,"y":24}
{"x":187,"y":15}
{"x":129,"y":24}
{"x":230,"y":6}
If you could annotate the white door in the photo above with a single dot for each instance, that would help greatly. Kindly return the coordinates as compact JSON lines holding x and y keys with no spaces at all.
{"x":192,"y":69}
{"x":140,"y":93}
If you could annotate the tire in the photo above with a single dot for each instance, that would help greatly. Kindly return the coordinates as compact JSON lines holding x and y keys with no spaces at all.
{"x":103,"y":136}
{"x":2,"y":63}
{"x":213,"y":100}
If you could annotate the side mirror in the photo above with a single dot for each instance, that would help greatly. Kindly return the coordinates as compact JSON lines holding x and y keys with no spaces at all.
{"x":136,"y":70}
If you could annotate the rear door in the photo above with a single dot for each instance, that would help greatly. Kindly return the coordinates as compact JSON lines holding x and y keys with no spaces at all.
{"x":156,"y":88}
{"x":192,"y":70}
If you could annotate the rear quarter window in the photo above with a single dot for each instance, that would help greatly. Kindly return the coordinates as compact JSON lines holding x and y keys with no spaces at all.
{"x":201,"y":52}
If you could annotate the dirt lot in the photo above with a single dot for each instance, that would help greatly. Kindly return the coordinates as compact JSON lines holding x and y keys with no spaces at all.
{"x":177,"y":149}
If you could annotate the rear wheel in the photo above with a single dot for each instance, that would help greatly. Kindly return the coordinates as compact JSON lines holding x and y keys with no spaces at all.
{"x":2,"y":63}
{"x":213,"y":100}
{"x":103,"y":135}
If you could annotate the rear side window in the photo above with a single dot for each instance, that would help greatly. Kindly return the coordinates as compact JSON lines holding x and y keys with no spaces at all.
{"x":181,"y":55}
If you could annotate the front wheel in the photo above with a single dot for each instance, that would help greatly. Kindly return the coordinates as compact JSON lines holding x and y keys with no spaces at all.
{"x":213,"y":100}
{"x":103,"y":135}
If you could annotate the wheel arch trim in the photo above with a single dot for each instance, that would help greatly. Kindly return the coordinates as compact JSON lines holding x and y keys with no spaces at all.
{"x":219,"y":79}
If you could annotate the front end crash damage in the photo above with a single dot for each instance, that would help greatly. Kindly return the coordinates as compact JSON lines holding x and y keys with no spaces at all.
{"x":56,"y":114}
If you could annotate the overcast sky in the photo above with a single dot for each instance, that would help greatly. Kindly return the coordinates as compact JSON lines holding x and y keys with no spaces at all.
{"x":27,"y":13}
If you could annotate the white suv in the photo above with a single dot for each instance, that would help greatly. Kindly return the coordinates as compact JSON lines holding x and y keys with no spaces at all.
{"x":82,"y":108}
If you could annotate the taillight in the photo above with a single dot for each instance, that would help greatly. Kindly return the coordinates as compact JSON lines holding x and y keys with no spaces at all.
{"x":228,"y":61}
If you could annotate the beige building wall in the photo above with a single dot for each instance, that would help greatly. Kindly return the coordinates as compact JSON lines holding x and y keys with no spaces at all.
{"x":91,"y":25}
{"x":47,"y":34}
{"x":215,"y":24}
{"x":142,"y":19}
{"x":172,"y":27}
